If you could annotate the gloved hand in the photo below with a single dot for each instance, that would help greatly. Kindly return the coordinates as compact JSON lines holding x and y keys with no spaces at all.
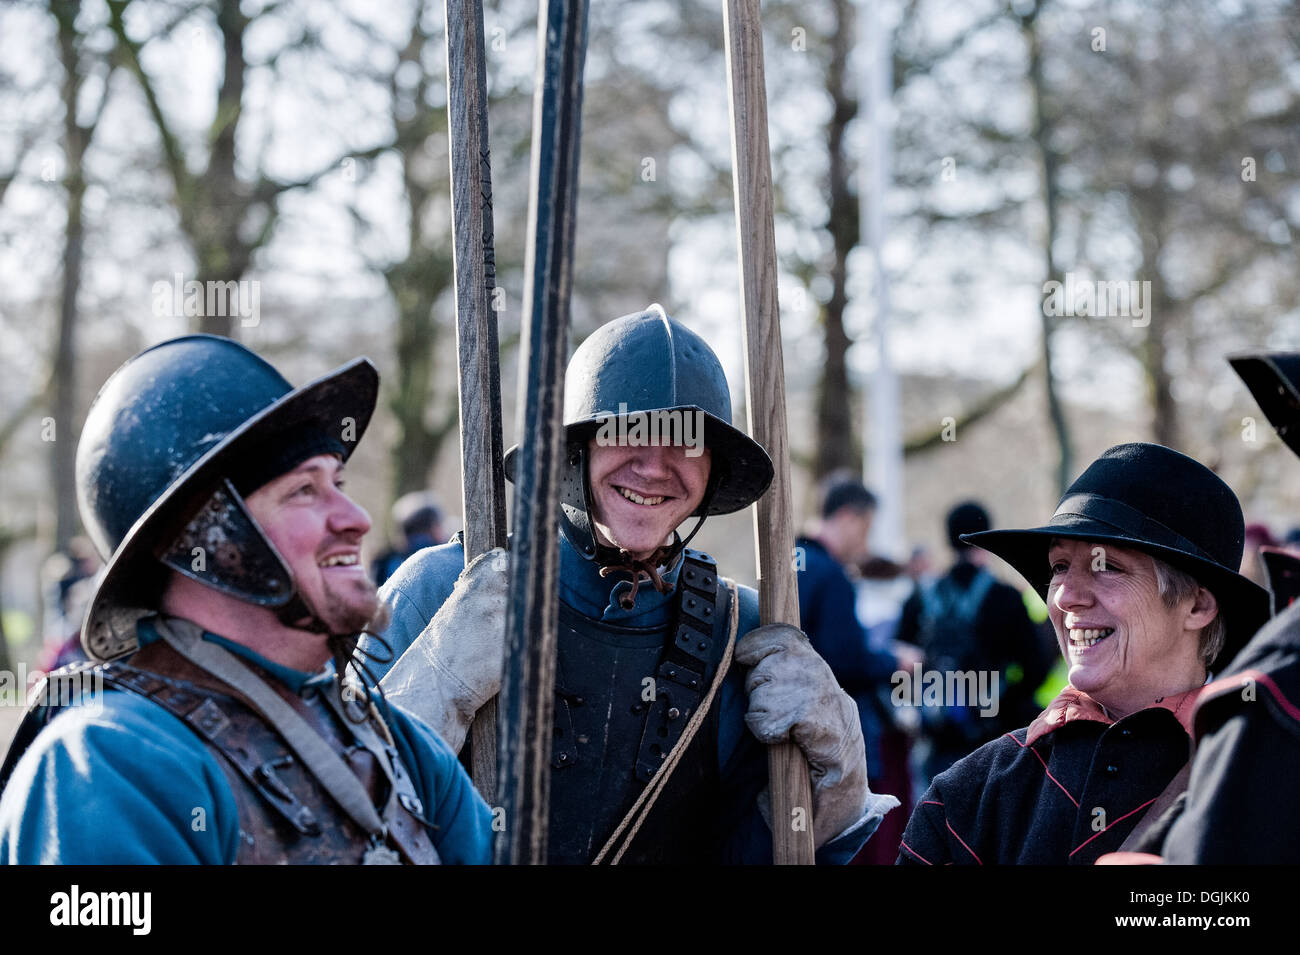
{"x":454,"y":666}
{"x":794,"y":695}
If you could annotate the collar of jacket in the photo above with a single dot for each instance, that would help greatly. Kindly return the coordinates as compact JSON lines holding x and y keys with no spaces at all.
{"x":1074,"y":705}
{"x":296,"y":680}
{"x":596,"y":597}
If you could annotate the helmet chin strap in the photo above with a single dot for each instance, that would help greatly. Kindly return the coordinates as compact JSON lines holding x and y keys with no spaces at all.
{"x":300,"y":615}
{"x":354,"y":694}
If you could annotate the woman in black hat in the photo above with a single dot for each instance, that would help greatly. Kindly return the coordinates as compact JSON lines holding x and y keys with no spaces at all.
{"x":1139,"y":570}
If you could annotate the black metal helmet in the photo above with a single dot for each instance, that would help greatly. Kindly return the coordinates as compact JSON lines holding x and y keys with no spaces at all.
{"x":645,"y":363}
{"x":172,"y":442}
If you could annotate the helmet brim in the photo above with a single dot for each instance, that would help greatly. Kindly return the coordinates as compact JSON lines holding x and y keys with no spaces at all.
{"x":132,"y":572}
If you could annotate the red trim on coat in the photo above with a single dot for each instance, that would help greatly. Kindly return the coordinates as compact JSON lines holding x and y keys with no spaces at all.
{"x":1225,"y":685}
{"x":914,"y":852}
{"x":963,"y":843}
{"x":1115,"y":823}
{"x":1045,"y":769}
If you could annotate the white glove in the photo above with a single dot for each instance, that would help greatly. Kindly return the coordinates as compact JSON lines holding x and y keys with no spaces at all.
{"x":794,"y":695}
{"x":454,"y":666}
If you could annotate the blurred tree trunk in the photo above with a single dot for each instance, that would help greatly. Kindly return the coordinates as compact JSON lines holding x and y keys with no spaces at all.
{"x":1050,"y":162}
{"x":211,"y":206}
{"x":1150,"y":221}
{"x":216,"y":206}
{"x":63,"y":448}
{"x":63,"y":381}
{"x":417,"y":282}
{"x":835,"y":437}
{"x":222,"y":201}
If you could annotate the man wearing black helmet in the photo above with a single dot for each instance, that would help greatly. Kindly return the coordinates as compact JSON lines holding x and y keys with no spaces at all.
{"x":216,"y":732}
{"x":650,"y":636}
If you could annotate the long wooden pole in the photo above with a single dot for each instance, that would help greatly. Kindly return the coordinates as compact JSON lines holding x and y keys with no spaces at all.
{"x":778,"y":594}
{"x":532,"y":612}
{"x":474,"y":268}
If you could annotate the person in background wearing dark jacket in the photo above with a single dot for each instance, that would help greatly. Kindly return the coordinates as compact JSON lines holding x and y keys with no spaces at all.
{"x":420,"y":519}
{"x":969,"y":621}
{"x":827,"y":600}
{"x":828,"y":614}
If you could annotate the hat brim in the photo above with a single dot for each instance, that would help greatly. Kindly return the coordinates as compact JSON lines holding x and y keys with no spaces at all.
{"x":1243,"y":602}
{"x":746,"y":469}
{"x":108,"y":630}
{"x":1274,"y":391}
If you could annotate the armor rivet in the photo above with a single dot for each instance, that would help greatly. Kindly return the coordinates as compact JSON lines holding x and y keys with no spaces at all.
{"x":671,"y":674}
{"x":563,"y":757}
{"x":673,"y":713}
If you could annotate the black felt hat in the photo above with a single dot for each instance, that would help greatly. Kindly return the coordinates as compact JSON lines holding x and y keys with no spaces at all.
{"x":1272,"y":379}
{"x":1155,"y":500}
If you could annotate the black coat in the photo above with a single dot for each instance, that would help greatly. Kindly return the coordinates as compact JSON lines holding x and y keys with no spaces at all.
{"x":1243,"y":798}
{"x":1064,"y":790}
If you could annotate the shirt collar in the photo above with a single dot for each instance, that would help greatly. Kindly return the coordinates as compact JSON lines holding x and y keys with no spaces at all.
{"x":1074,"y":704}
{"x":295,"y":680}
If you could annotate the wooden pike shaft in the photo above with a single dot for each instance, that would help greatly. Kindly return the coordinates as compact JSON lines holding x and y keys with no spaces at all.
{"x":474,"y":260}
{"x":789,"y":783}
{"x":532,"y":613}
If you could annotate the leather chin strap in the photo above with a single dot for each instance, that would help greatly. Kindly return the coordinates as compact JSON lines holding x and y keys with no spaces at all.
{"x":634,"y":567}
{"x":297,"y":613}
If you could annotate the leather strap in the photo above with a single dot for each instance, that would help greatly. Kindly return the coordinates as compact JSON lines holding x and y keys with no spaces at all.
{"x":686,"y":665}
{"x":329,"y":769}
{"x":640,"y":810}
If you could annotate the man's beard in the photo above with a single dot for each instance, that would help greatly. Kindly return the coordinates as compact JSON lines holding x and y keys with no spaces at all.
{"x":349,"y":614}
{"x":347,"y":620}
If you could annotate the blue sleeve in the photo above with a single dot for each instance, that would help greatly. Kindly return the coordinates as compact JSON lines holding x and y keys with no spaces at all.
{"x":828,"y":606}
{"x":413,"y":595}
{"x":462,"y":821}
{"x":118,"y":782}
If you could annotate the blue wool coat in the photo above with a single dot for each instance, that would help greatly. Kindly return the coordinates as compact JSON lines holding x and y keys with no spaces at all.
{"x":120,"y":781}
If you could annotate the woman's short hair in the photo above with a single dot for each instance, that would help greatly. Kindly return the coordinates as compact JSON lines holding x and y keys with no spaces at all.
{"x":1174,"y":586}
